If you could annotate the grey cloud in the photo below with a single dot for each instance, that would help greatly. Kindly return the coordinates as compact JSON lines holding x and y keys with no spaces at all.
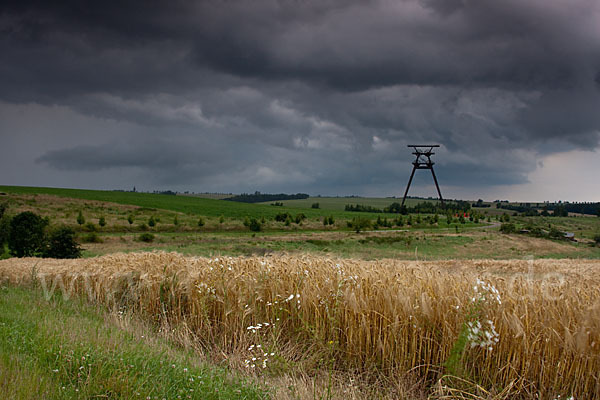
{"x":311,"y":96}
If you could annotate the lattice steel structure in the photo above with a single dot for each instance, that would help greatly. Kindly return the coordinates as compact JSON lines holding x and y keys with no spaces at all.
{"x":423,"y":152}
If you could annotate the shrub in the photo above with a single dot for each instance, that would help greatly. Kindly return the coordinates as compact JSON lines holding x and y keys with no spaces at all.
{"x":151,"y":222}
{"x":328,"y":220}
{"x":359,"y":224}
{"x":91,"y":237}
{"x":508,"y":228}
{"x":221,"y":219}
{"x":143,"y":227}
{"x":597,"y":239}
{"x":555,"y":233}
{"x":253,"y":224}
{"x":201,"y":222}
{"x":315,"y":205}
{"x":102,"y":221}
{"x":146,"y":237}
{"x":175,"y":221}
{"x":90,"y":227}
{"x":61,"y":244}
{"x":299,"y":218}
{"x":3,"y":208}
{"x":80,"y":218}
{"x":27,"y":235}
{"x":130,"y":219}
{"x":282,"y":217}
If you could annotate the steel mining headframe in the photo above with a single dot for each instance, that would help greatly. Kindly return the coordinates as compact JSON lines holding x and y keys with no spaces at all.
{"x":423,"y":153}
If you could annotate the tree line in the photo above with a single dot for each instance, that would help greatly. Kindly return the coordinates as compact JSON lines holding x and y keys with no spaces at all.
{"x":424,"y":207}
{"x":259,"y":197}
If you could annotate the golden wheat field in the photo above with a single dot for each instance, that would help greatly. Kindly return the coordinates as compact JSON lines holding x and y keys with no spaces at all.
{"x":485,"y":328}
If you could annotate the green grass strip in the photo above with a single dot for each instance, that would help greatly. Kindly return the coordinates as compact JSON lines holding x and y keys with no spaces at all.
{"x":67,"y":350}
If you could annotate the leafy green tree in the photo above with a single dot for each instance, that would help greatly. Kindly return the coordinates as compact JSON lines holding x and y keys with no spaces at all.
{"x":130,"y":219}
{"x":80,"y":218}
{"x":560,"y":211}
{"x":151,"y":221}
{"x":4,"y":231}
{"x":221,"y":219}
{"x":201,"y":222}
{"x":315,"y":205}
{"x":102,"y":221}
{"x":27,"y":234}
{"x":61,"y":244}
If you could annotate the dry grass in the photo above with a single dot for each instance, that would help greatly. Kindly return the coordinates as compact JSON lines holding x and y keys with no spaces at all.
{"x":376,"y":320}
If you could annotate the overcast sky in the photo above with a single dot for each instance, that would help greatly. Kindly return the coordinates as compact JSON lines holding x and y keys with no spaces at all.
{"x":316,"y":96}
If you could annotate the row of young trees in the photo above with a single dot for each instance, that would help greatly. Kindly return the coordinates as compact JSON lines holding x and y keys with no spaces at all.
{"x":424,"y":207}
{"x":29,"y":235}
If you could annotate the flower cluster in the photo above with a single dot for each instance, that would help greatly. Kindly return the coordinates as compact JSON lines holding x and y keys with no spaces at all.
{"x":482,"y":335}
{"x":484,"y":291}
{"x":257,"y":327}
{"x":203,"y":288}
{"x":259,"y":357}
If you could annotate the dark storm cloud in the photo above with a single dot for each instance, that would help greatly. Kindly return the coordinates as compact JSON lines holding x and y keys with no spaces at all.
{"x":313,"y":95}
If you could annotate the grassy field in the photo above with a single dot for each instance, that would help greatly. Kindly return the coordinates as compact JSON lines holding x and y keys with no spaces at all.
{"x":418,"y":244}
{"x":190,"y":205}
{"x":338,"y":203}
{"x":483,"y":329}
{"x":63,"y":206}
{"x":177,"y":231}
{"x":57,"y":349}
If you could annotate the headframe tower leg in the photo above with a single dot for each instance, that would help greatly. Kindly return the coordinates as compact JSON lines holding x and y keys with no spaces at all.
{"x":423,"y":155}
